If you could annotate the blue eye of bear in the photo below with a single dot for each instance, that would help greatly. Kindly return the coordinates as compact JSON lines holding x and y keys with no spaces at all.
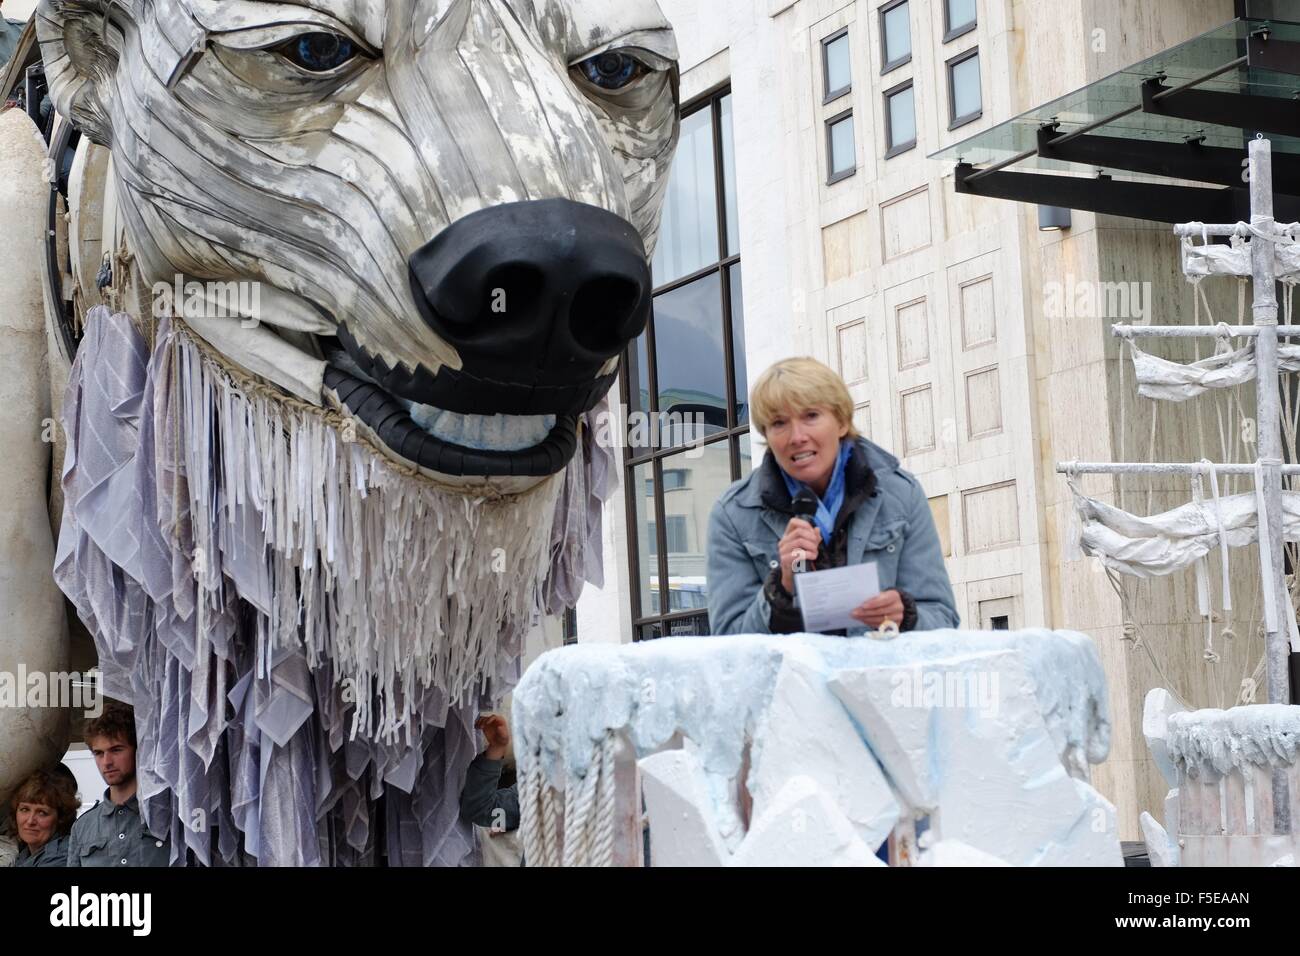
{"x":612,"y":70}
{"x":319,"y":52}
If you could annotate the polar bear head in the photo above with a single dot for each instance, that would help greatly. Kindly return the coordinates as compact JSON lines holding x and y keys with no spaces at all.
{"x":446,"y":206}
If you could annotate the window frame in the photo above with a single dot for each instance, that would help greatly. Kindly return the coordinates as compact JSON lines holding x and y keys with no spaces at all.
{"x":893,"y":149}
{"x":730,"y":437}
{"x":886,"y":64}
{"x":954,"y":120}
{"x":829,"y":95}
{"x":833,"y":177}
{"x":949,"y":33}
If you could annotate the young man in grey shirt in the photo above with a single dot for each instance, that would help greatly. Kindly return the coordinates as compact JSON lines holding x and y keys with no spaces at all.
{"x":112,"y":832}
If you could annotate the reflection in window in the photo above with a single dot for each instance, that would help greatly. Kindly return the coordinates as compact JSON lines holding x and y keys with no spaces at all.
{"x":895,"y":35}
{"x":729,"y":177}
{"x":688,"y":237}
{"x":740,"y":369}
{"x":964,"y":99}
{"x":647,"y":547}
{"x":675,"y":478}
{"x":900,"y":119}
{"x":837,"y":72}
{"x":690,"y":355}
{"x":959,"y":16}
{"x":840,"y":147}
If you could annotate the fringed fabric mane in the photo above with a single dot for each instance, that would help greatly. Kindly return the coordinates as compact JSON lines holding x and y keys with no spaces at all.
{"x":303,"y":626}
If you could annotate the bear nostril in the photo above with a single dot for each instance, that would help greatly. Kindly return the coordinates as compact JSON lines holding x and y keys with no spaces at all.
{"x":511,"y":286}
{"x":607,"y":312}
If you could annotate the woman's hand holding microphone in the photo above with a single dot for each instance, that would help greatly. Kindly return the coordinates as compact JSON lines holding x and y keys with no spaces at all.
{"x":798,"y":550}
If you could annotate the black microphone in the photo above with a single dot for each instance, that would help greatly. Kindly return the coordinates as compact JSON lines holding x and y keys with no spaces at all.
{"x":805,"y":506}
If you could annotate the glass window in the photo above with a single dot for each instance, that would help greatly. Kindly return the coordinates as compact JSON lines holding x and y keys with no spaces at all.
{"x":959,"y":18}
{"x":837,"y":72}
{"x":841,"y":151}
{"x":729,"y":177}
{"x":646,"y":529}
{"x":964,"y":100}
{"x":675,"y":479}
{"x":688,"y":235}
{"x":900,"y":119}
{"x":895,"y":35}
{"x":688,"y":368}
{"x":691,"y":360}
{"x":741,"y":370}
{"x":687,"y":514}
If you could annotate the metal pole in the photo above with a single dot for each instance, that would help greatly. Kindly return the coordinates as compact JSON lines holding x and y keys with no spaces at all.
{"x":1263,"y":263}
{"x":1158,"y":468}
{"x":1196,"y":331}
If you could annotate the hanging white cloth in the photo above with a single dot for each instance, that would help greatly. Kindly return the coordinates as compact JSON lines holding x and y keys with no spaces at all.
{"x":1176,"y":539}
{"x":1162,"y":379}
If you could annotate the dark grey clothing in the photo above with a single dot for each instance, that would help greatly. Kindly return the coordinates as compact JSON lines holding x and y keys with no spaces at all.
{"x":10,"y":31}
{"x":111,"y":835}
{"x":484,"y":803}
{"x":54,"y":853}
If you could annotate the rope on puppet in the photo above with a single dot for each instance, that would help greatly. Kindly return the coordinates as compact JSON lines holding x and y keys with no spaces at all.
{"x":361,"y":560}
{"x":586,"y":818}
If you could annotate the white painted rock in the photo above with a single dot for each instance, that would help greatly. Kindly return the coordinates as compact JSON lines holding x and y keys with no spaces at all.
{"x":895,"y":707}
{"x":805,"y":731}
{"x":1162,"y":851}
{"x":1156,"y":709}
{"x":802,"y":826}
{"x":677,"y":801}
{"x":956,"y":853}
{"x":1004,"y":790}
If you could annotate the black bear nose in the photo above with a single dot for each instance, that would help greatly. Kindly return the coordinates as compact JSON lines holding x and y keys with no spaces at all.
{"x":540,"y":293}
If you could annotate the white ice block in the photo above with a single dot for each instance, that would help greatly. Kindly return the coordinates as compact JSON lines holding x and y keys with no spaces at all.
{"x":802,"y":826}
{"x":682,"y":830}
{"x":805,"y":731}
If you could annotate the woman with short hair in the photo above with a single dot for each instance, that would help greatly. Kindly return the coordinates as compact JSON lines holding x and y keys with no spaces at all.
{"x":42,"y":811}
{"x":868,"y":510}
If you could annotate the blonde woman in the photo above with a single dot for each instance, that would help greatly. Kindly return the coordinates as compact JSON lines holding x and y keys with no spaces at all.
{"x":868,"y":510}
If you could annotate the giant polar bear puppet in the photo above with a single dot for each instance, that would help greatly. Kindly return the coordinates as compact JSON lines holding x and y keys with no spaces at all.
{"x":308,"y":537}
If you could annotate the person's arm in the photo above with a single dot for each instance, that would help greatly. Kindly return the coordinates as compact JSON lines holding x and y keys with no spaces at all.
{"x":922,"y":578}
{"x":738,"y":603}
{"x":56,"y":858}
{"x":74,"y":848}
{"x":485,"y":804}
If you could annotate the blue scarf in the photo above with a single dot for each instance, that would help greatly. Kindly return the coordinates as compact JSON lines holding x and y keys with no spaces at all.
{"x":829,"y":506}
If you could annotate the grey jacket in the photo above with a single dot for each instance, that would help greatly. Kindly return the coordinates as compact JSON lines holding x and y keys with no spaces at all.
{"x":54,"y":853}
{"x":482,"y":802}
{"x":111,"y":835}
{"x":892,"y":526}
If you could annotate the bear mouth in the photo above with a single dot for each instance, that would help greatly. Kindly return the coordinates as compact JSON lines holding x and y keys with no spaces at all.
{"x":471,"y":438}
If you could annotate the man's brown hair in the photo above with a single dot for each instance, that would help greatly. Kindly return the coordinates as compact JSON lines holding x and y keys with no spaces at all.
{"x":117,"y":722}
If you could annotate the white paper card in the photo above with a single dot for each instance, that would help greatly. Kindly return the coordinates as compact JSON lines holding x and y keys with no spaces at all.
{"x":827,"y":598}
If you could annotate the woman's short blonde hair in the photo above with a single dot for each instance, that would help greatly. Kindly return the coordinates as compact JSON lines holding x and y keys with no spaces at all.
{"x":796,"y":384}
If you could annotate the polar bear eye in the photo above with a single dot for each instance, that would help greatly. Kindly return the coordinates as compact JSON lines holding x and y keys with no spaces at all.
{"x":612,"y":70}
{"x":319,"y":52}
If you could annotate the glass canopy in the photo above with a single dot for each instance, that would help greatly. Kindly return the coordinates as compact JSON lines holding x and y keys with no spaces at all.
{"x":1123,"y":91}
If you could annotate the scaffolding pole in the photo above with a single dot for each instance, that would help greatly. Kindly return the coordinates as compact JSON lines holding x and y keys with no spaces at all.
{"x":1268,"y":403}
{"x":1264,"y":234}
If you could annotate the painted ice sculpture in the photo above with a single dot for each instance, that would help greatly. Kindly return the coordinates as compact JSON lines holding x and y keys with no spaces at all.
{"x":806,"y":750}
{"x":1227,"y":770}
